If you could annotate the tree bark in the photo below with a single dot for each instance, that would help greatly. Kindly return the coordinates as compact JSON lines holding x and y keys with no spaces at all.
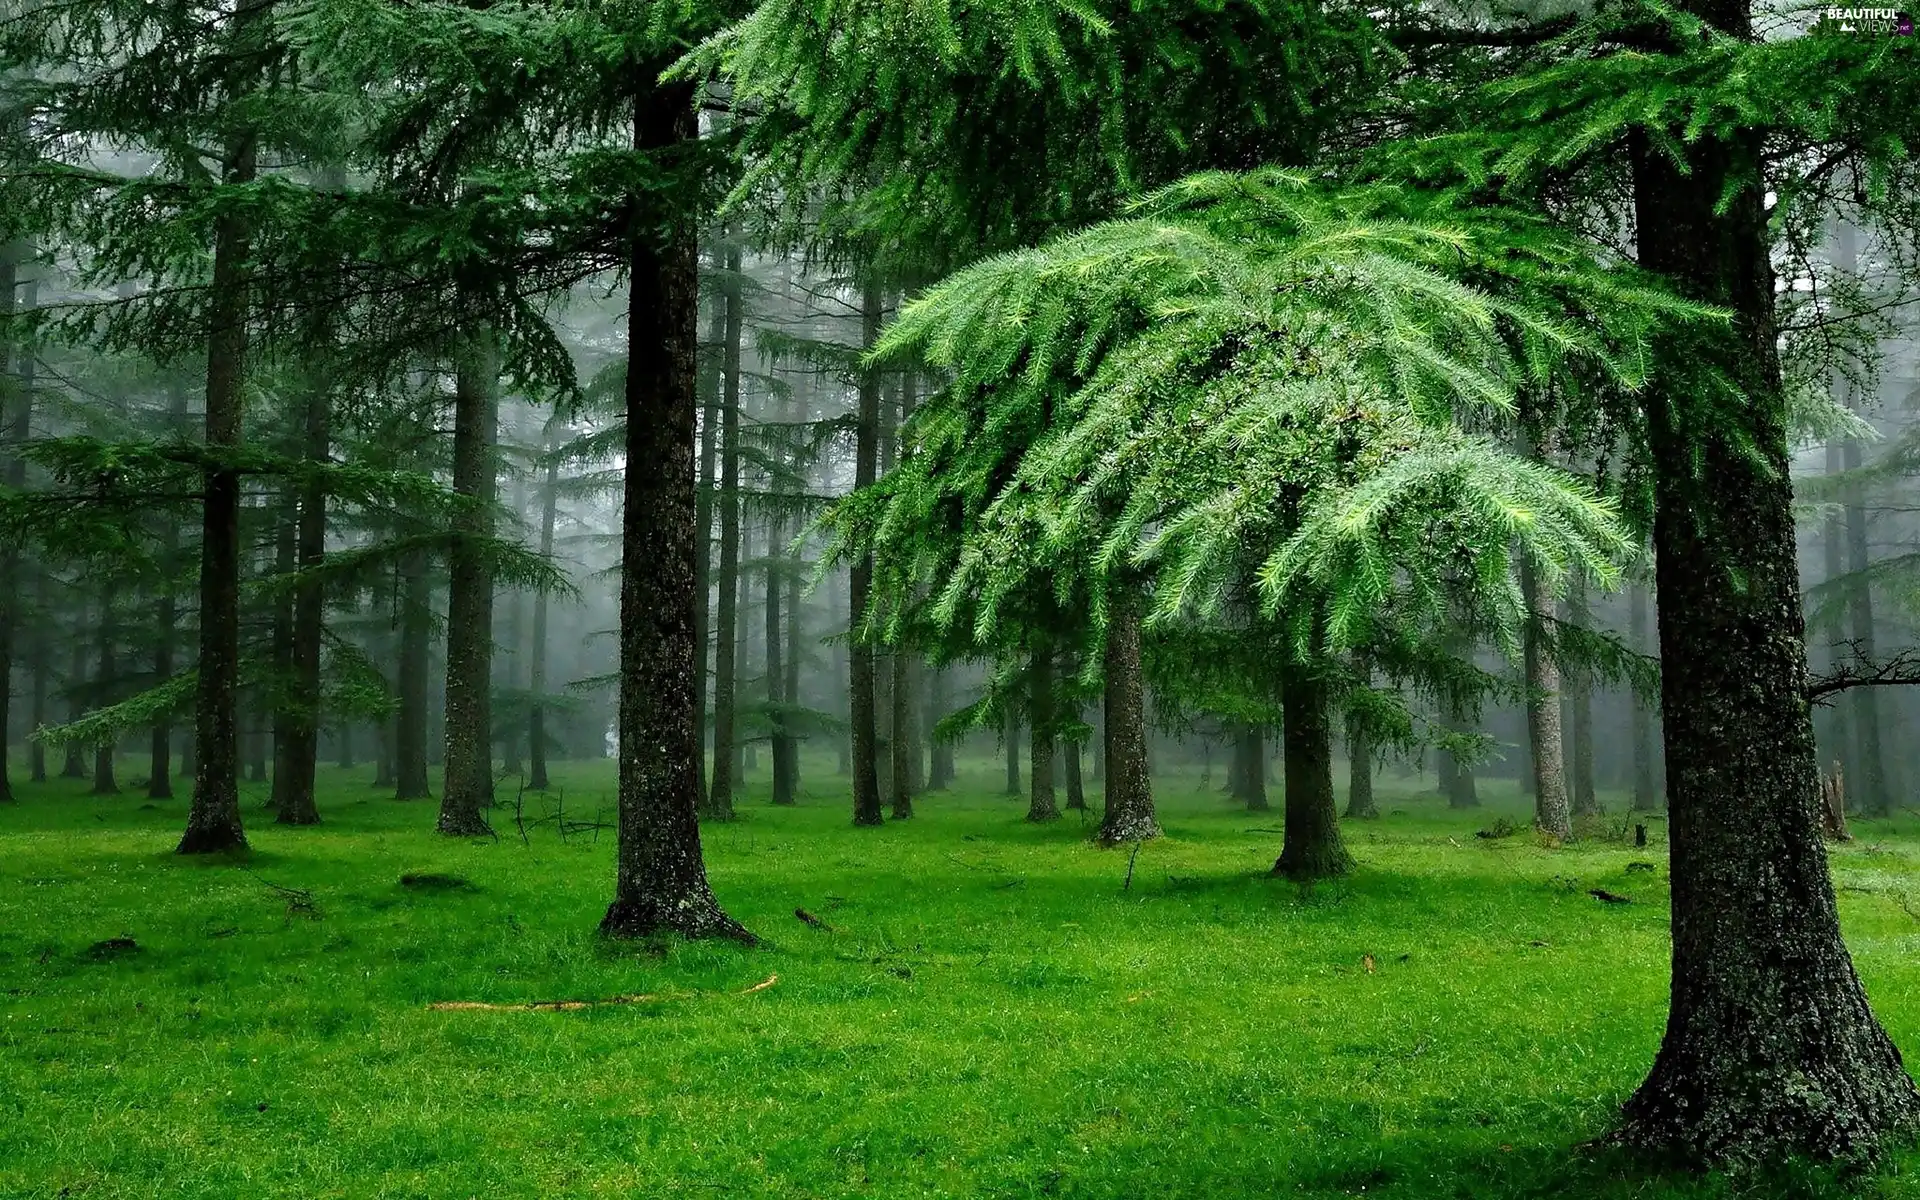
{"x":1311,"y":848}
{"x":213,"y":820}
{"x":787,"y":766}
{"x":467,"y":788}
{"x":106,"y":682}
{"x":940,"y":754}
{"x":16,"y":408}
{"x":780,"y":741}
{"x":410,"y":721}
{"x":1041,"y":805}
{"x":1360,"y":802}
{"x":74,"y":765}
{"x":709,"y":370}
{"x":297,"y":801}
{"x":1457,"y":779}
{"x":1770,"y":1047}
{"x":866,"y":777}
{"x":1551,"y":813}
{"x":660,"y":882}
{"x":1646,"y":797}
{"x":1129,"y":815}
{"x":726,"y":738}
{"x":286,"y":542}
{"x":1583,"y":798}
{"x":1250,"y":762}
{"x":537,"y":676}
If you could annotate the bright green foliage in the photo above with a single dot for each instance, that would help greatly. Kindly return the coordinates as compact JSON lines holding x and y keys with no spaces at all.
{"x":1256,"y":364}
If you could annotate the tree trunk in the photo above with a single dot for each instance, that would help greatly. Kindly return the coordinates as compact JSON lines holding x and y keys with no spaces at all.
{"x":286,"y":541}
{"x":1360,"y":802}
{"x":1311,"y":848}
{"x":906,"y":739}
{"x":105,"y":686}
{"x":866,"y":777}
{"x":1551,"y":813}
{"x":787,"y":767}
{"x":1250,"y":761}
{"x":1012,"y":735}
{"x":1579,"y":713}
{"x":15,"y":421}
{"x":75,"y":764}
{"x":213,"y":820}
{"x":776,"y":670}
{"x":1869,"y":793}
{"x":1076,"y":785}
{"x":1041,"y":805}
{"x":1457,"y":778}
{"x":1129,"y":796}
{"x":410,"y":721}
{"x":1646,"y":797}
{"x":537,"y":678}
{"x":939,"y":700}
{"x":726,"y":740}
{"x":1770,"y":1047}
{"x":709,"y":370}
{"x":660,"y":884}
{"x":467,"y":788}
{"x":297,"y":802}
{"x":42,"y":670}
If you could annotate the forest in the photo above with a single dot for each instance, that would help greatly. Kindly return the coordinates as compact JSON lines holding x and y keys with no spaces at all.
{"x":979,"y":598}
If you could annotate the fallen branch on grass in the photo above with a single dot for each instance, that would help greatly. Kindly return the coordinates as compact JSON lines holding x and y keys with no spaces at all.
{"x":576,"y":1005}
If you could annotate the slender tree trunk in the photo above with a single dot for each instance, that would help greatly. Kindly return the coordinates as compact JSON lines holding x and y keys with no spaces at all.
{"x":75,"y":765}
{"x":1041,"y":805}
{"x":866,"y":777}
{"x":660,"y":883}
{"x":286,"y":541}
{"x":1251,"y":750}
{"x":726,"y":738}
{"x":842,"y":668}
{"x":1646,"y":797}
{"x":709,"y":370}
{"x":537,"y":681}
{"x":906,"y":741}
{"x":467,"y":789}
{"x":1458,"y":781}
{"x":213,"y":820}
{"x":1551,"y":813}
{"x":776,"y":671}
{"x":939,"y":701}
{"x":1360,"y":765}
{"x":1311,"y":848}
{"x":1868,"y":791}
{"x":1770,"y":1046}
{"x":1579,"y":713}
{"x":105,"y":687}
{"x":1129,"y":813}
{"x":15,"y":421}
{"x":1076,"y":784}
{"x":410,"y":721}
{"x":42,"y":670}
{"x":297,"y":801}
{"x":796,"y":629}
{"x":1013,"y":753}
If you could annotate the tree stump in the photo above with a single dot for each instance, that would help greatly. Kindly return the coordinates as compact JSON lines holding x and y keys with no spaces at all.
{"x":1833,"y":806}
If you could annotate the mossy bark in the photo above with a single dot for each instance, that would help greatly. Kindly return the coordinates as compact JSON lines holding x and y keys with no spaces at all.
{"x":660,"y":881}
{"x":1770,"y":1046}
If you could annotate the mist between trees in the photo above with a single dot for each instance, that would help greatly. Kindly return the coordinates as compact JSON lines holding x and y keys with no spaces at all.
{"x":1272,"y":394}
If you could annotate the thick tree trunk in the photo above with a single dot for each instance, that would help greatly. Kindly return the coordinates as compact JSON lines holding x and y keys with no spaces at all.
{"x":866,"y":777}
{"x":410,"y":721}
{"x":467,"y":789}
{"x":1646,"y":797}
{"x":1041,"y":805}
{"x":1250,"y":762}
{"x":1129,"y":813}
{"x":660,"y":884}
{"x":1311,"y":848}
{"x":213,"y":821}
{"x":297,"y":802}
{"x":726,"y":739}
{"x":1770,"y":1046}
{"x":1551,"y":813}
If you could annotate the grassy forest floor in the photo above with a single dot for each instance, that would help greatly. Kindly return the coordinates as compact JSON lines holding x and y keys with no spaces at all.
{"x":989,"y":1014}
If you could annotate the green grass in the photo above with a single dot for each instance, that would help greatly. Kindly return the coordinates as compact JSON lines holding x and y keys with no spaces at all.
{"x":991,"y":1015}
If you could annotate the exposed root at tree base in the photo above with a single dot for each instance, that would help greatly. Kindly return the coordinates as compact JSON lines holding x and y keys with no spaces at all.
{"x":696,"y":919}
{"x":576,"y":1005}
{"x":222,"y":839}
